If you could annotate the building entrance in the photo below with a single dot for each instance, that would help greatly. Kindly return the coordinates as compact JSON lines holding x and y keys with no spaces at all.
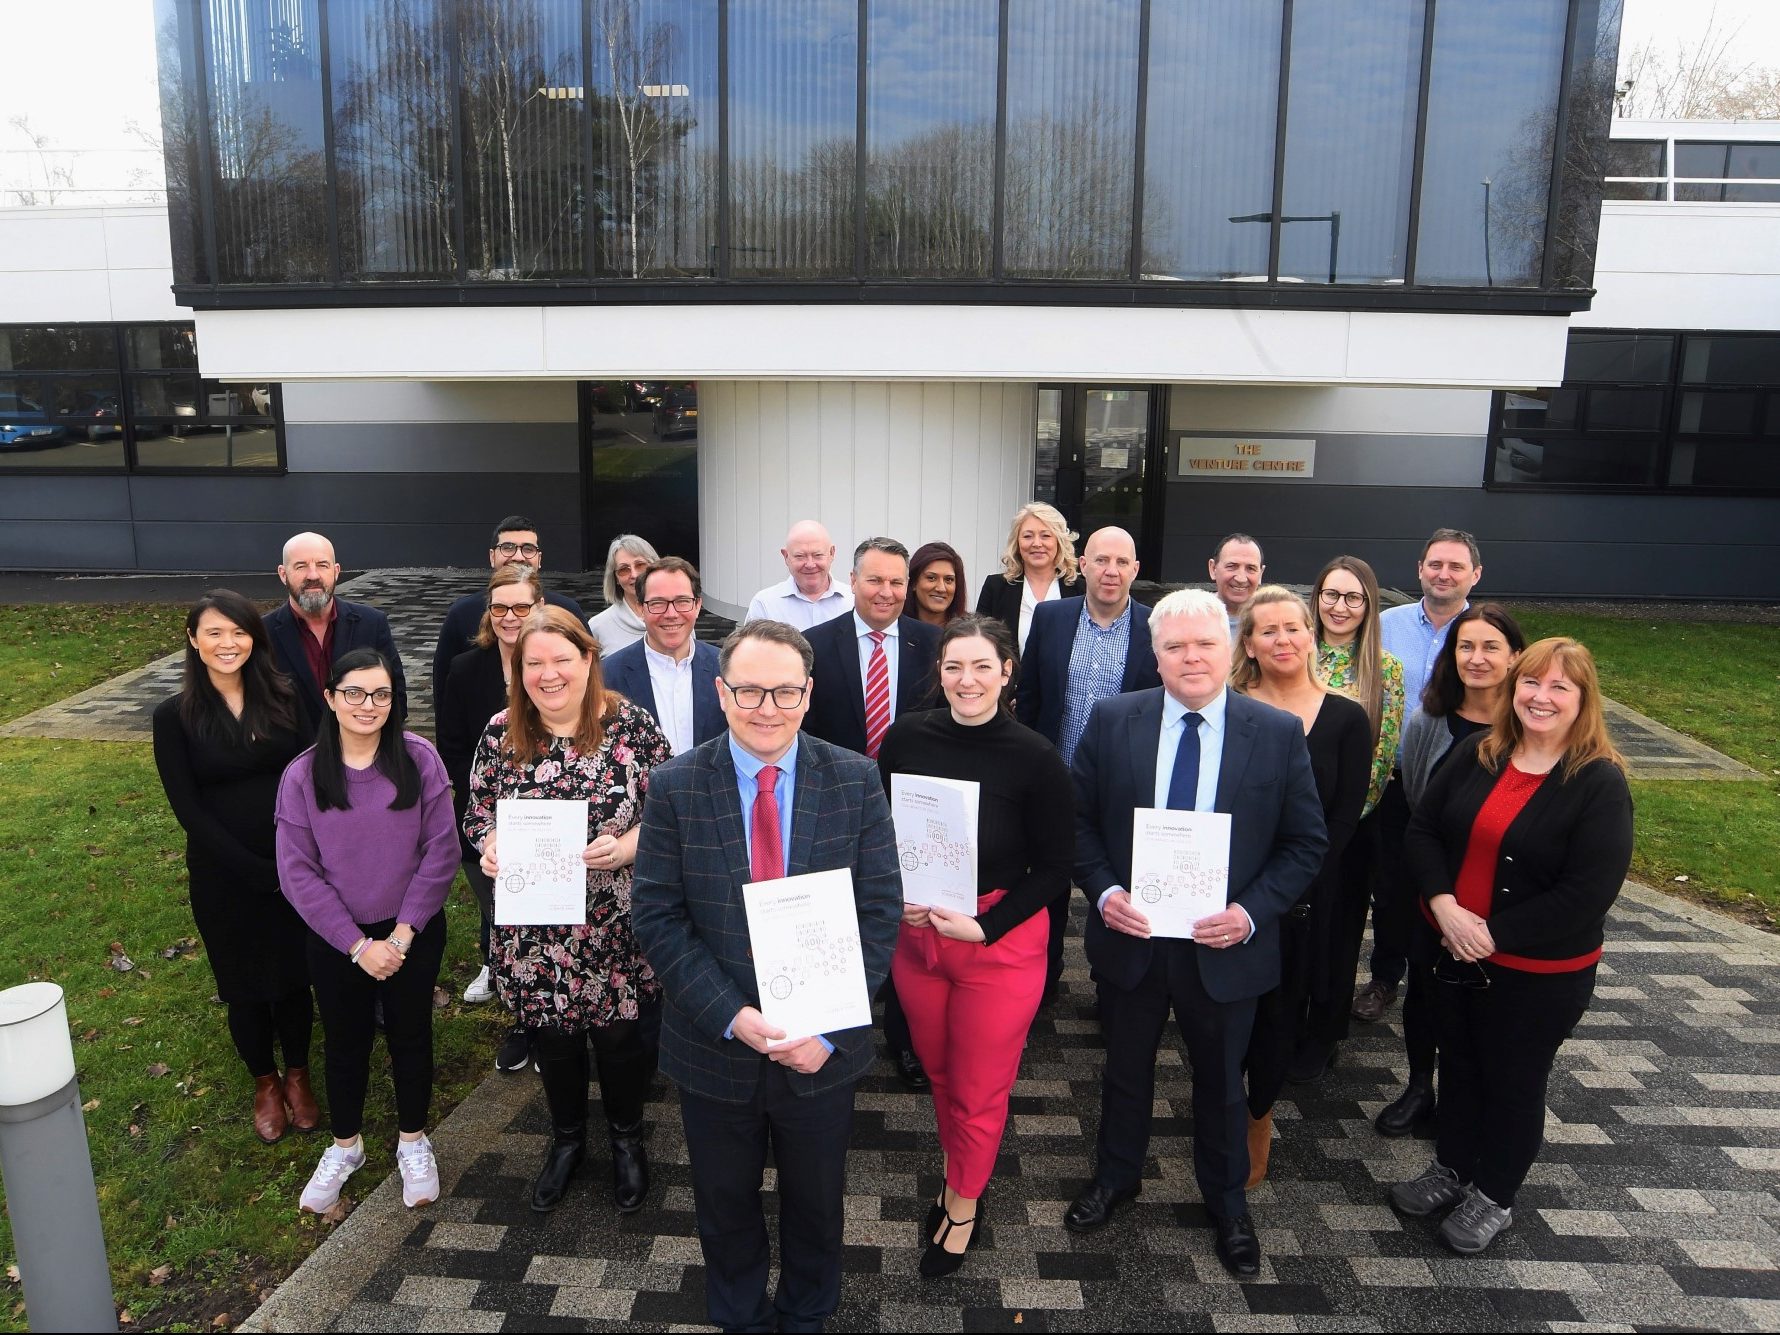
{"x":1099,"y":459}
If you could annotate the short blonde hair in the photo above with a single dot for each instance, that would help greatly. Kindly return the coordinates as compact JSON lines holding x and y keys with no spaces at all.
{"x":1244,"y":671}
{"x":1052,"y":518}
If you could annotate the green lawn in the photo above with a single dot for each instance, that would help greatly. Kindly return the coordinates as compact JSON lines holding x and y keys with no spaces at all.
{"x":50,"y":653}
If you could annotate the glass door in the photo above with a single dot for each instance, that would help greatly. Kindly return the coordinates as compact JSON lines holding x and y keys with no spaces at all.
{"x":1097,"y":458}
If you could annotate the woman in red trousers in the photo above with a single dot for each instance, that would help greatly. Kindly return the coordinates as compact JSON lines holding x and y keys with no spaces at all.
{"x":971,"y":984}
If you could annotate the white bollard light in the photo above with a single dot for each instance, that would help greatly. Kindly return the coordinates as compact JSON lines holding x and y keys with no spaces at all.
{"x":46,"y":1166}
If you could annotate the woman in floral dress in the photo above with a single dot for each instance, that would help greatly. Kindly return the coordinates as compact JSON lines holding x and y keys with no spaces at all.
{"x":564,"y":736}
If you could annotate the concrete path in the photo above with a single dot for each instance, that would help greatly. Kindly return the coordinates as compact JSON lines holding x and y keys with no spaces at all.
{"x":1653,"y":1205}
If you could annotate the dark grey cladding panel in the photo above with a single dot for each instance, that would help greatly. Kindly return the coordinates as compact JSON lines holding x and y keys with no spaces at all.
{"x":1533,"y":544}
{"x":63,"y":544}
{"x":314,"y":500}
{"x":70,"y":497}
{"x":431,"y":447}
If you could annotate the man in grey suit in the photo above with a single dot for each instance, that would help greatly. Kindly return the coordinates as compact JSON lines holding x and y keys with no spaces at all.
{"x":760,"y":802}
{"x":1192,"y":745}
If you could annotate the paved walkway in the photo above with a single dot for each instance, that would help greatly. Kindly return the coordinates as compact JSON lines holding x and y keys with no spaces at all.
{"x":1653,"y":1205}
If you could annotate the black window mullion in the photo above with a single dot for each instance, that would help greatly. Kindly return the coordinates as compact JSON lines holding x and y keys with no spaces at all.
{"x":1560,"y":137}
{"x":330,"y":168}
{"x":1142,"y":128}
{"x":722,"y":267}
{"x":207,"y":161}
{"x":998,"y":212}
{"x":589,"y":168}
{"x":1421,"y":147}
{"x":455,"y":64}
{"x":862,"y":22}
{"x":1279,"y":141}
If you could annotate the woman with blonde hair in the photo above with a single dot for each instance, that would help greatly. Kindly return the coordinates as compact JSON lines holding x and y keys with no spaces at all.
{"x":564,"y":736}
{"x":621,"y":622}
{"x":1517,"y":850}
{"x":1274,"y":662}
{"x":1038,"y":565}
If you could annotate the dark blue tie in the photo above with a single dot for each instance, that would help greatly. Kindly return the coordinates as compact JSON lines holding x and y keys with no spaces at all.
{"x":1183,"y":784}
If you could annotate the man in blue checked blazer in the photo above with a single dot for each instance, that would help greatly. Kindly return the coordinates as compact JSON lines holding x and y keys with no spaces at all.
{"x":759,"y":802}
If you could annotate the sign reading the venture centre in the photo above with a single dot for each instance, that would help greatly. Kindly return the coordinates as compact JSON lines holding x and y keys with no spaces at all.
{"x":1231,"y":456}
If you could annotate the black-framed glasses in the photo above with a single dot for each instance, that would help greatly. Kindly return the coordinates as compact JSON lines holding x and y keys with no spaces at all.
{"x":1332,"y":596}
{"x":1460,"y":973}
{"x":656,"y":606}
{"x":504,"y":610}
{"x":526,"y":549}
{"x":753,"y":697}
{"x":357,"y":695}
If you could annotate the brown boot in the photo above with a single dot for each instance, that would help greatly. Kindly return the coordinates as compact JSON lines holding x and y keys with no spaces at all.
{"x":1260,"y":1146}
{"x":304,"y":1115}
{"x":269,"y":1119}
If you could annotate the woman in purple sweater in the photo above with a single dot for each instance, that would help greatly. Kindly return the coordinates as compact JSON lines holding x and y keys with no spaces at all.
{"x":367,"y":849}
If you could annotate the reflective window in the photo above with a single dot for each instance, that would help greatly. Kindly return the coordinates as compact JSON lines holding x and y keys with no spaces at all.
{"x":1071,"y":135}
{"x":1634,"y":157}
{"x":1486,"y":168}
{"x":1208,"y":138}
{"x":55,"y":347}
{"x":793,"y":118}
{"x":1718,"y":412}
{"x":392,"y":95}
{"x":1731,"y":359}
{"x":1596,"y":461}
{"x":1593,"y":64}
{"x":1728,"y":161}
{"x":655,"y":137}
{"x":930,"y":136}
{"x":1743,"y":465}
{"x":181,"y":149}
{"x":1633,"y":358}
{"x":1647,"y":190}
{"x":642,"y":443}
{"x":1350,"y":140}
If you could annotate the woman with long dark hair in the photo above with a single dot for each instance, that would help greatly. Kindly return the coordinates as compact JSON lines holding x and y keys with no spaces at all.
{"x":972,"y":983}
{"x":564,"y":736}
{"x":367,"y":853}
{"x":936,"y":585}
{"x":220,"y":746}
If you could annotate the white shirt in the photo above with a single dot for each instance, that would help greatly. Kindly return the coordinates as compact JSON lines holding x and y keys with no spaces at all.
{"x":1028,"y":601}
{"x":672,"y":683}
{"x":785,"y":602}
{"x":892,"y":648}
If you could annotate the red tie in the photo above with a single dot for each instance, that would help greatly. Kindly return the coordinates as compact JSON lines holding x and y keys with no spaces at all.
{"x":767,"y":851}
{"x":877,"y":695}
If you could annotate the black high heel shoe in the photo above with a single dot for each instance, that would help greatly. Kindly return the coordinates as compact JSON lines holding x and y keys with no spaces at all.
{"x":935,"y":1213}
{"x":936,"y":1261}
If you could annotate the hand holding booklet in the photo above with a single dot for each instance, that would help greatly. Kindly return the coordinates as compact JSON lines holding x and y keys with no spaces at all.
{"x":936,"y":840}
{"x":804,"y":935}
{"x":1180,"y":867}
{"x":542,"y":880}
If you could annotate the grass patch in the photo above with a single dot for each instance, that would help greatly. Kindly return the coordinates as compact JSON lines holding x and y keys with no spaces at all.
{"x":49,"y":653}
{"x":1719,"y":836}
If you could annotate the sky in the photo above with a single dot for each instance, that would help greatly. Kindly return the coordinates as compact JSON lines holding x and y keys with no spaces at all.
{"x":88,"y":73}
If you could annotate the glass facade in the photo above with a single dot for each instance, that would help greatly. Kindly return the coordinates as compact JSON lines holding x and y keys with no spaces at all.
{"x":1167,"y":150}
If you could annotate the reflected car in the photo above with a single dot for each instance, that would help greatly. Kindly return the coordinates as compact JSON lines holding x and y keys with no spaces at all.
{"x":644,"y":395}
{"x":95,"y":416}
{"x":1519,"y":460}
{"x":676,"y":415}
{"x":22,"y":426}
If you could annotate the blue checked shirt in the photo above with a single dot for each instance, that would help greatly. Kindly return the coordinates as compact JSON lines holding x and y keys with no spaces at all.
{"x":1096,"y":670}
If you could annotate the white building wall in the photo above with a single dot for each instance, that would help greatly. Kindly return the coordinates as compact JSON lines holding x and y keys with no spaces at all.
{"x":61,"y":265}
{"x":920,"y":462}
{"x":1686,"y":266}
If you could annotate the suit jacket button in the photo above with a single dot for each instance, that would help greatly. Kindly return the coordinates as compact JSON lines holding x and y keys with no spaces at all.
{"x":750,"y":952}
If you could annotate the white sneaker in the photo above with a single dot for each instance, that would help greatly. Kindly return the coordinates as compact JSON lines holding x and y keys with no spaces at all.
{"x":420,"y":1172}
{"x":481,"y":989}
{"x":337,"y":1164}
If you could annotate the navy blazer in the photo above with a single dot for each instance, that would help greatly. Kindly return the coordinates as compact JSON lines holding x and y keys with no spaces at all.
{"x":1044,"y":667}
{"x":688,"y":914}
{"x":627,"y":672}
{"x":360,"y":626}
{"x":1277,"y":836}
{"x":837,"y":700}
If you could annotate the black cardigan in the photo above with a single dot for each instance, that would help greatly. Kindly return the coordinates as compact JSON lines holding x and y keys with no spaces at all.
{"x":1562,"y":860}
{"x":475,"y":691}
{"x":1001,"y":598}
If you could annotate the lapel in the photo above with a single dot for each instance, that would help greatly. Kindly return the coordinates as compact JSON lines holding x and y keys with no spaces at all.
{"x":806,"y":808}
{"x":848,"y":642}
{"x":1139,"y":657}
{"x":727,"y":804}
{"x":641,"y":686}
{"x":1143,"y":733}
{"x":1239,"y":746}
{"x":707,"y":714}
{"x":286,"y":629}
{"x":910,"y":680}
{"x":345,"y":627}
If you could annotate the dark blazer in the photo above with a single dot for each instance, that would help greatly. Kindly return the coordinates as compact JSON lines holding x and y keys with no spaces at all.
{"x":627,"y":672}
{"x":1001,"y":599}
{"x":458,"y":631}
{"x":1562,"y":860}
{"x":360,"y":626}
{"x":687,"y":912}
{"x":1277,"y":839}
{"x":837,"y":700}
{"x":1044,"y":667}
{"x":475,"y":691}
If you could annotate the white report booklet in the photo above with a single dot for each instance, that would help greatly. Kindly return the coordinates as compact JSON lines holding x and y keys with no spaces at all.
{"x":936,"y":840}
{"x":542,"y":881}
{"x":1180,"y":867}
{"x":804,"y":934}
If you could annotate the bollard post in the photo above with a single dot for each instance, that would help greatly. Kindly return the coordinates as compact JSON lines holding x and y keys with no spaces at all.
{"x":46,"y":1168}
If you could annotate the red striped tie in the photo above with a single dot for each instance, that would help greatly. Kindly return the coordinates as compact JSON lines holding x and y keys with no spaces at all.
{"x":877,"y":695}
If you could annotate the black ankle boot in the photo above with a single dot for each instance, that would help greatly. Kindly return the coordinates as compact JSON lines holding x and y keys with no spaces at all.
{"x":1411,"y":1108}
{"x":562,"y":1068}
{"x":630,"y":1168}
{"x":567,"y":1148}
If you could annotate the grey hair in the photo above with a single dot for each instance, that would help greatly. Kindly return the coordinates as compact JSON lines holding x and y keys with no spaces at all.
{"x":1187,"y":604}
{"x":889,"y":545}
{"x":625,"y":542}
{"x":768,"y":632}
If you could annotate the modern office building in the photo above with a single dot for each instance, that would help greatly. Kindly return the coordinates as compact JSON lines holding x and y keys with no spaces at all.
{"x":1309,"y":268}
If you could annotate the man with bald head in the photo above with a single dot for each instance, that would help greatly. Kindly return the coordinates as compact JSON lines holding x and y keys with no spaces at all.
{"x":314,"y":629}
{"x":808,"y":596}
{"x":1079,"y":651}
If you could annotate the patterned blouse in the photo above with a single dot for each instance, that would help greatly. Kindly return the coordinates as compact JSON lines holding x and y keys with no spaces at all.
{"x":573,"y":977}
{"x":1335,"y":666}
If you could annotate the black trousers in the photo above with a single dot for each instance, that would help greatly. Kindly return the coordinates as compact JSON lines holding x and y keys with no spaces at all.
{"x":1419,"y":1038}
{"x":257,"y":1025}
{"x":1497,"y":1044}
{"x":482,"y":887}
{"x":1217,"y":1035}
{"x":347,"y":997}
{"x":1394,"y":900}
{"x":624,"y":1058}
{"x":1058,"y":908}
{"x":728,"y":1145}
{"x":1280,"y":1015}
{"x":896,"y":1024}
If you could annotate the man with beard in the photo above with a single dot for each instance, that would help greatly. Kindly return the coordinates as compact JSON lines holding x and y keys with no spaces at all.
{"x":314,"y":629}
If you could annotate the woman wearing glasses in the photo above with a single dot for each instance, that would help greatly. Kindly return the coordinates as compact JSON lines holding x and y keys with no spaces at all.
{"x":476,"y":690}
{"x":366,"y":854}
{"x":1518,"y":850}
{"x":563,"y":735}
{"x":622,"y":621}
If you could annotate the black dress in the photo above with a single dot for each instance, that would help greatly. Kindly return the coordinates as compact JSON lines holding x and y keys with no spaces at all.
{"x":1340,"y":743}
{"x":223,"y":793}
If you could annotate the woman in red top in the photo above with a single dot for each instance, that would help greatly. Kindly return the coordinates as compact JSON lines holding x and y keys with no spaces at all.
{"x":1518,"y":848}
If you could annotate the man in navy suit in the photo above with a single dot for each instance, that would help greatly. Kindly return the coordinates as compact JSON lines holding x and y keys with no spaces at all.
{"x":1191,"y":745}
{"x":668,"y":672}
{"x":874,"y":665}
{"x":758,"y":803}
{"x":314,"y":629}
{"x":1079,"y":651}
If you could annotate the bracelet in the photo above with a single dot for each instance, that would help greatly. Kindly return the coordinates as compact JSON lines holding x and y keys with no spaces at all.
{"x":359,"y":949}
{"x":401,"y":945}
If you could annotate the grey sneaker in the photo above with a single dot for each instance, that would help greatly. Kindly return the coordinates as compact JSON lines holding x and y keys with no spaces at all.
{"x":1437,"y":1188}
{"x":1474,"y":1225}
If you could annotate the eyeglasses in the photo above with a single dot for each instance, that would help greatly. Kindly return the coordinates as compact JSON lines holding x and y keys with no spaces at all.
{"x":526,"y":549}
{"x":753,"y":697}
{"x":656,"y":606}
{"x":1461,"y":973}
{"x":502,"y":611}
{"x":357,"y":695}
{"x":1332,"y":596}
